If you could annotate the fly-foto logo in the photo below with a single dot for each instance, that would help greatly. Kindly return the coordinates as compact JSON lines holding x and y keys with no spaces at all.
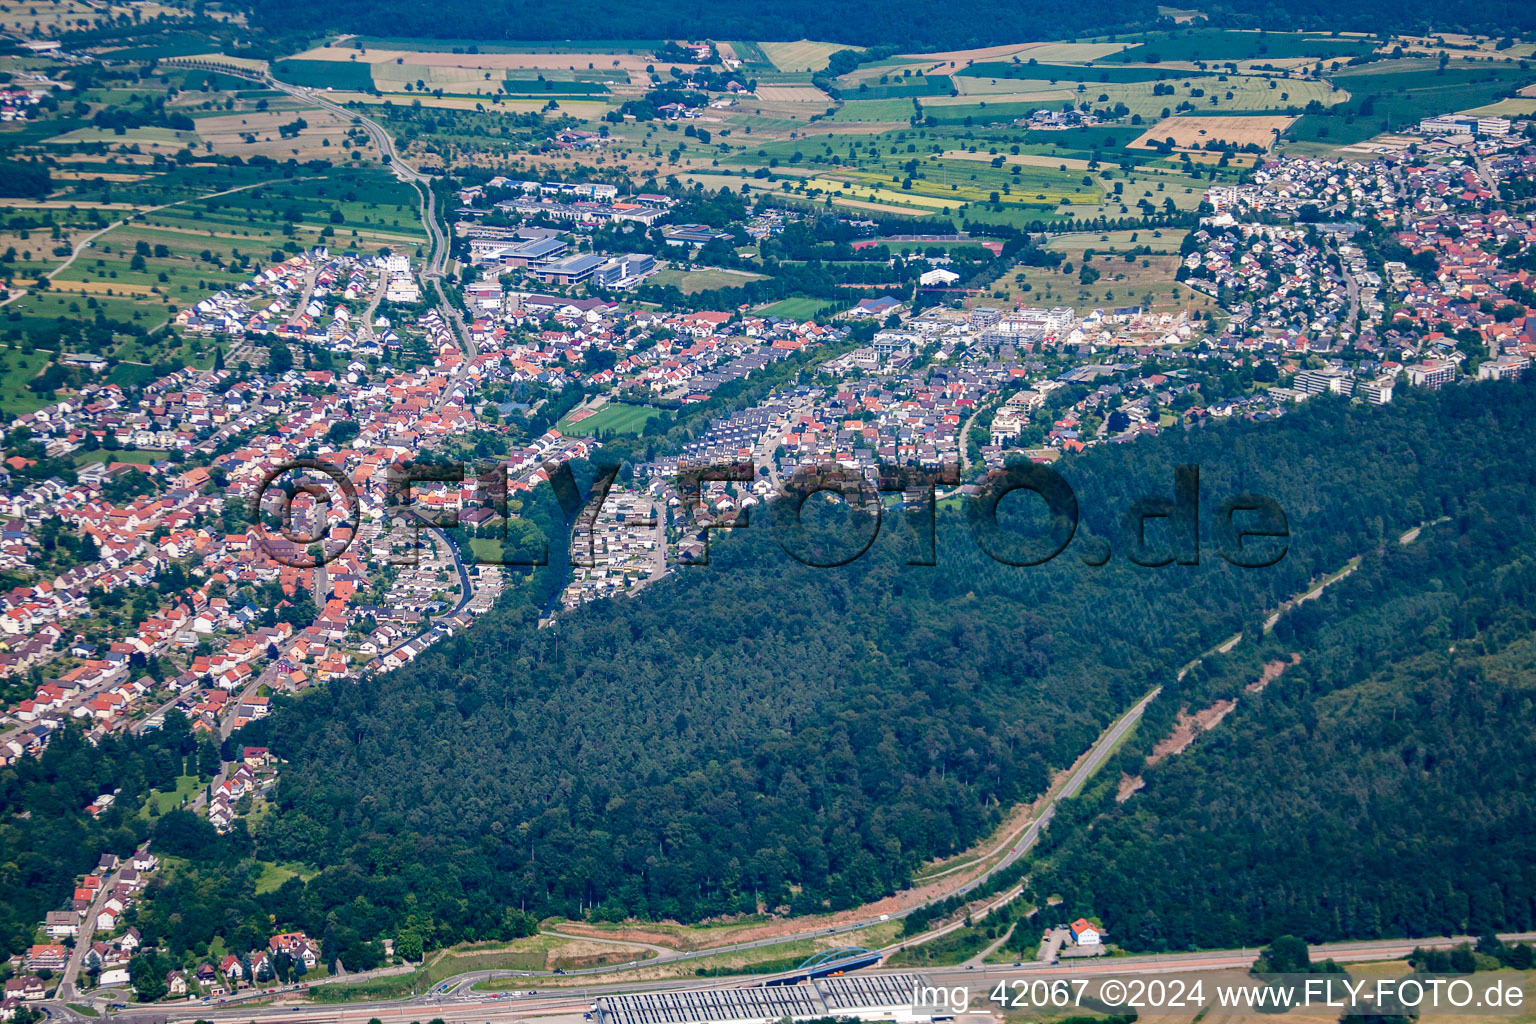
{"x":1247,"y":530}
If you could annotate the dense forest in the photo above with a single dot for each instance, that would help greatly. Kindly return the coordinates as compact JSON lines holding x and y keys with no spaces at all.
{"x":761,"y":734}
{"x":1381,"y":786}
{"x":908,"y":24}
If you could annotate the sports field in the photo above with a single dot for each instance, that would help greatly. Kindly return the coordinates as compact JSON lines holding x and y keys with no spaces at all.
{"x":800,"y":309}
{"x":703,"y":279}
{"x":613,"y":418}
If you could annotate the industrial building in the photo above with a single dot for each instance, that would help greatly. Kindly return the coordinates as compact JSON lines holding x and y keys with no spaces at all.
{"x":571,"y":270}
{"x":625,"y":271}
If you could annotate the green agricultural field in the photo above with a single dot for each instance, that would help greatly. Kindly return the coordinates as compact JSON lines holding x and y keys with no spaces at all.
{"x":751,"y":55}
{"x":339,"y":74}
{"x":1389,"y":96}
{"x":1213,"y":44}
{"x":165,"y":137}
{"x":982,"y":104}
{"x":968,"y":182}
{"x":553,"y":87}
{"x":613,"y":418}
{"x":802,"y":55}
{"x":891,"y":110}
{"x":142,"y":271}
{"x":899,"y":88}
{"x":1142,"y":280}
{"x":194,"y":80}
{"x":16,"y":369}
{"x":630,"y":46}
{"x":1073,"y":72}
{"x":178,"y":44}
{"x":981,"y":112}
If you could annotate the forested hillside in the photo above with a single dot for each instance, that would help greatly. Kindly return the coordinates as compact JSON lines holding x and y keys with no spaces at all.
{"x":758,"y":732}
{"x":1382,"y":786}
{"x":906,"y":24}
{"x":47,"y":837}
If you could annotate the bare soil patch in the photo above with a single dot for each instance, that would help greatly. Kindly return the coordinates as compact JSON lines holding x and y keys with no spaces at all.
{"x":1272,"y":670}
{"x":1187,"y":727}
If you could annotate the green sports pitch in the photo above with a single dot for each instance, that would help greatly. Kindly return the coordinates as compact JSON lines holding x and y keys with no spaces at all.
{"x":614,"y":418}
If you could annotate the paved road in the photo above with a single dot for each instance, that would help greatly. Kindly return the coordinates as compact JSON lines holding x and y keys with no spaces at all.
{"x":1485,"y":172}
{"x":1352,"y":289}
{"x":1097,"y":754}
{"x":437,"y":230}
{"x":466,"y":591}
{"x":87,"y":929}
{"x":85,"y":241}
{"x":436,"y":267}
{"x":572,"y":1001}
{"x":1020,"y":845}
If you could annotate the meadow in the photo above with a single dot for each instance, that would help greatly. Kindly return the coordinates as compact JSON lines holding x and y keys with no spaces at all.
{"x":1074,"y":72}
{"x":1388,"y":96}
{"x":801,"y":55}
{"x":689,"y":280}
{"x":1144,"y":279}
{"x":325,"y":74}
{"x":896,"y":142}
{"x":177,"y":240}
{"x":16,"y":370}
{"x":1211,"y":44}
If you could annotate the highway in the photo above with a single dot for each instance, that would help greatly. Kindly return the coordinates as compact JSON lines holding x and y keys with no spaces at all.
{"x":456,"y":1000}
{"x":462,"y":1006}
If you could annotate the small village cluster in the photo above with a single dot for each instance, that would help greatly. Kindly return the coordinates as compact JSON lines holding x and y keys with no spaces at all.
{"x":91,"y":945}
{"x":20,"y":97}
{"x":1373,"y":324}
{"x":89,"y":936}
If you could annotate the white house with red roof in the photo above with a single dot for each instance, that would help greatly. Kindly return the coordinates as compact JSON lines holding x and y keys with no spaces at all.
{"x":1085,"y":933}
